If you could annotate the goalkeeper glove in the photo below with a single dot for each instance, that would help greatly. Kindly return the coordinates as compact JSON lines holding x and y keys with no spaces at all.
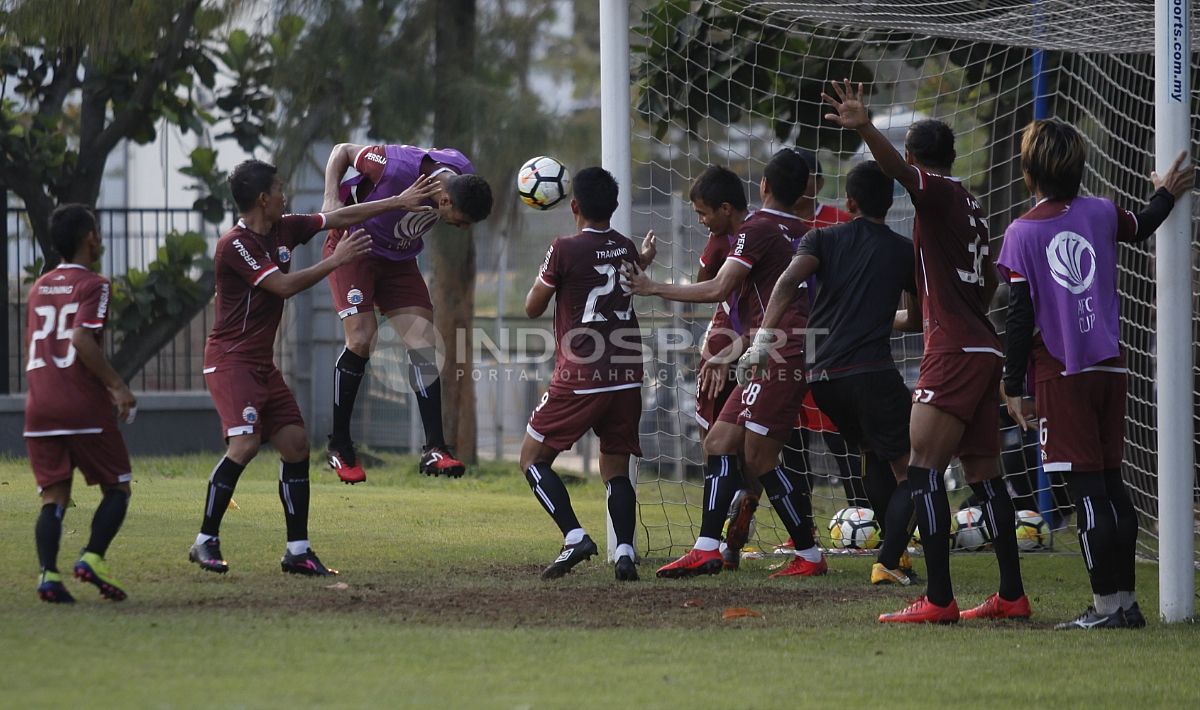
{"x":755,"y":357}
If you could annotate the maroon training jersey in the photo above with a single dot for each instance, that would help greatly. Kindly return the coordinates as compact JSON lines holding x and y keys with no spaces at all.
{"x":719,"y":333}
{"x":766,"y":244}
{"x":64,"y":396}
{"x":247,"y":317}
{"x":950,"y":236}
{"x":597,"y":339}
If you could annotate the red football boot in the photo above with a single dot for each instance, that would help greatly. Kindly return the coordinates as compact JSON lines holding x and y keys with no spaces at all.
{"x":438,"y":461}
{"x":344,"y":461}
{"x":996,"y":607}
{"x":801,"y":567}
{"x":923,"y":611}
{"x":695,"y":562}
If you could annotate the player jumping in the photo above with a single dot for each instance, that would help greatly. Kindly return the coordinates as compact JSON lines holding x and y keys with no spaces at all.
{"x":1064,"y":312}
{"x":956,"y":403}
{"x":390,"y":281}
{"x":70,"y":421}
{"x":758,"y":417}
{"x":253,"y":263}
{"x":597,"y":378}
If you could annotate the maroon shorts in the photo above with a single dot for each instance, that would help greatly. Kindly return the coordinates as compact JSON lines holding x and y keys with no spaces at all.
{"x":562,"y":418}
{"x":371,"y":282}
{"x":966,"y":385}
{"x":769,"y":403}
{"x":101,"y":458}
{"x":1081,"y":421}
{"x":252,"y":400}
{"x":708,"y":408}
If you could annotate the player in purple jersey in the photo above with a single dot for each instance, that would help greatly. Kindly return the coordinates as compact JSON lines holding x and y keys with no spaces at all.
{"x":70,"y":418}
{"x":1064,"y":315}
{"x":759,"y":416}
{"x":253,"y":271}
{"x":390,"y":282}
{"x":597,"y":378}
{"x":956,"y":403}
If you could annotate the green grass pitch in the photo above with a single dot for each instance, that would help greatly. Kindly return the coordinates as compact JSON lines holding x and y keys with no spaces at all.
{"x":439,"y":605}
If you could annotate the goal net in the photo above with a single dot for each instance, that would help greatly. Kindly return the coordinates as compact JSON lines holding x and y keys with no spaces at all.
{"x":729,"y":83}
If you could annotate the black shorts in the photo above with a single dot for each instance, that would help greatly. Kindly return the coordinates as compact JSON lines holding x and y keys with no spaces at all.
{"x":870,"y":409}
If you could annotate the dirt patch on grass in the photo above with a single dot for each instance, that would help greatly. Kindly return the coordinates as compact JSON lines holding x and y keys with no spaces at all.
{"x":515,"y":596}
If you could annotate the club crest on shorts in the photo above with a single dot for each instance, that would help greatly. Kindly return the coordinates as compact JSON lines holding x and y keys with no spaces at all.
{"x":250,"y":415}
{"x":354,"y":297}
{"x":285,"y":255}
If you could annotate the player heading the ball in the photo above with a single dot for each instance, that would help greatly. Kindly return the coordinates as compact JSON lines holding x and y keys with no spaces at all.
{"x":73,"y":403}
{"x":597,"y":378}
{"x":253,"y":271}
{"x":389,"y":280}
{"x":1064,"y":309}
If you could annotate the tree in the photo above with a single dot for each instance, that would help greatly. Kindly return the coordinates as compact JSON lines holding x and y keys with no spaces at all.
{"x":76,"y":84}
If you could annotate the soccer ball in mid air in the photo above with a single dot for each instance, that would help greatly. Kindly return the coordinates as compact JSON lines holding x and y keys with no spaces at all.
{"x":1031,"y":531}
{"x":543,"y":182}
{"x":854,"y":529}
{"x":971,"y":532}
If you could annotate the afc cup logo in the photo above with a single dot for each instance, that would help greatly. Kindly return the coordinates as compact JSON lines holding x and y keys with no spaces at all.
{"x":354,"y":297}
{"x":1072,"y":261}
{"x":412,"y":226}
{"x":250,"y":415}
{"x":285,"y":255}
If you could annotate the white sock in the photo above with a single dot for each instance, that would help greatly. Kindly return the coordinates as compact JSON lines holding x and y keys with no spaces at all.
{"x":626,"y":551}
{"x":574,"y":537}
{"x":707,"y":544}
{"x":723,"y":548}
{"x":202,"y":538}
{"x":812,"y":554}
{"x":1128,"y":599}
{"x":297,"y":547}
{"x":1106,"y":603}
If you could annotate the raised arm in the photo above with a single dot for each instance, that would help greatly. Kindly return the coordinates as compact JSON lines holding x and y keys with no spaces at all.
{"x":340,"y":160}
{"x":717,"y":289}
{"x":412,"y":200}
{"x":1178,"y":181}
{"x":348,"y":249}
{"x":850,"y":112}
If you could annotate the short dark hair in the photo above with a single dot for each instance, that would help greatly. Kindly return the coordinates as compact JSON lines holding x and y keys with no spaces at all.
{"x":1053,"y":156}
{"x":871,"y":188}
{"x":718,"y":185}
{"x":932,"y":143}
{"x":69,"y":224}
{"x":471,"y":195}
{"x":596,"y":194}
{"x":787,"y":176}
{"x":810,"y":157}
{"x":248,"y":180}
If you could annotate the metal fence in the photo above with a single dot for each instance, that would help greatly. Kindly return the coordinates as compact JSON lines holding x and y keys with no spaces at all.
{"x":131,"y":237}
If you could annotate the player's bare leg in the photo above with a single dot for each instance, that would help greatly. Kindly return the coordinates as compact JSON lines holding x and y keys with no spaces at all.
{"x":1010,"y":602}
{"x":48,"y":536}
{"x":292,"y":444}
{"x":723,"y":479}
{"x":109,"y":516}
{"x":622,"y":510}
{"x":206,"y":551}
{"x":789,"y":494}
{"x":935,"y":438}
{"x":417,"y":331}
{"x":536,"y":462}
{"x":351,"y":368}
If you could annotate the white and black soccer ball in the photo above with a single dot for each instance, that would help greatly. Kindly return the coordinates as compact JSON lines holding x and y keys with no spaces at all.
{"x":854,"y":529}
{"x":543,"y":182}
{"x":1032,"y":531}
{"x":970,"y":531}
